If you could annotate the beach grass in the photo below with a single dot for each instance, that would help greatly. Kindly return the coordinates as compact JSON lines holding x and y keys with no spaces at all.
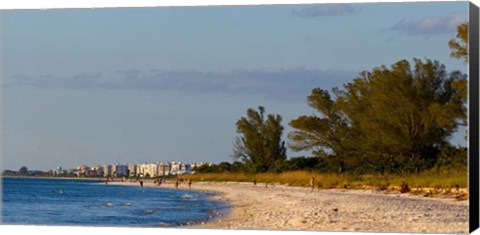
{"x":435,"y":179}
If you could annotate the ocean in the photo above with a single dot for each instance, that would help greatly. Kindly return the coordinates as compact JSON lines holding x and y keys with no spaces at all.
{"x":38,"y":201}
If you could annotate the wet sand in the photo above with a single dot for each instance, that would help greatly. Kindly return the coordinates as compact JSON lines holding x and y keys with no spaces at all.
{"x":280,"y":207}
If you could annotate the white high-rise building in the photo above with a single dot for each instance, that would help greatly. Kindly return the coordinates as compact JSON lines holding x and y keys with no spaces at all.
{"x":147,"y":170}
{"x":132,"y":170}
{"x":163,"y":169}
{"x":107,"y":170}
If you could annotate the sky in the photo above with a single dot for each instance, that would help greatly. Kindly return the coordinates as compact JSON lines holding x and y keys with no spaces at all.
{"x":134,"y":85}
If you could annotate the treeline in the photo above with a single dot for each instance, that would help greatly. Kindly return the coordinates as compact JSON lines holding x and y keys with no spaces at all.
{"x":23,"y":172}
{"x":292,"y":164}
{"x":396,"y":119}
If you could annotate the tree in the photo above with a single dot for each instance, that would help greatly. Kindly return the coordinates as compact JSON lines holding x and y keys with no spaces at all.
{"x":329,"y":131}
{"x":405,"y":113}
{"x":260,"y":146}
{"x":23,"y":171}
{"x":459,"y":46}
{"x":385,"y":120}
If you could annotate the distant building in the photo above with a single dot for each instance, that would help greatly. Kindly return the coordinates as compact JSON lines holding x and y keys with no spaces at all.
{"x":174,"y":168}
{"x":132,"y":170}
{"x":107,"y":170}
{"x":91,"y":173}
{"x":178,"y":168}
{"x":97,"y":168}
{"x":187,"y":168}
{"x":120,"y":170}
{"x":59,"y":171}
{"x":147,"y":170}
{"x":157,"y":169}
{"x":163,"y":169}
{"x":81,"y":170}
{"x":152,"y":170}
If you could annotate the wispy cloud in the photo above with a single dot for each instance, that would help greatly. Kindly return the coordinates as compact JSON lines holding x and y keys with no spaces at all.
{"x":273,"y":82}
{"x":77,"y":81}
{"x":431,"y":25}
{"x":325,"y":10}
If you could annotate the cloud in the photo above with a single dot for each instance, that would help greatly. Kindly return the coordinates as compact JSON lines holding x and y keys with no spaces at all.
{"x":271,"y":82}
{"x":77,"y":81}
{"x":431,"y":25}
{"x":325,"y":10}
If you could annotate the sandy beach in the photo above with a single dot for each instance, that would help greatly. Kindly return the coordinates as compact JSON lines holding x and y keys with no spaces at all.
{"x":279,"y":207}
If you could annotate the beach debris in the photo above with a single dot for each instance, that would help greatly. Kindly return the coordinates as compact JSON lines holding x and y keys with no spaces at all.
{"x":335,"y":209}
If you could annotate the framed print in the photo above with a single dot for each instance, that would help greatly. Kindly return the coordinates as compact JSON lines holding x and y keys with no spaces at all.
{"x":324,"y":117}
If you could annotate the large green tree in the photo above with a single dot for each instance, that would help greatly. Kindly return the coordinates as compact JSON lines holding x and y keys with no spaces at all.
{"x":386,"y":119}
{"x":405,"y":113}
{"x":326,"y":133}
{"x":260,"y":145}
{"x":459,"y":45}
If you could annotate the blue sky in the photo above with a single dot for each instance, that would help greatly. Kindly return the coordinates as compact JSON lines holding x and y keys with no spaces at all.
{"x":132,"y":85}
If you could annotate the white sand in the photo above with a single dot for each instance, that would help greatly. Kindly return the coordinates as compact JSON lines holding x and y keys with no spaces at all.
{"x":296,"y":208}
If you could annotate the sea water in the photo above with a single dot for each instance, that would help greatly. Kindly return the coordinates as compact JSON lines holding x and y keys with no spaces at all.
{"x":86,"y":202}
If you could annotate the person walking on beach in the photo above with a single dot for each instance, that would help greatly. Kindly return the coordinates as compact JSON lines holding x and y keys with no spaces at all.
{"x":176,"y":184}
{"x":312,"y":183}
{"x":254,"y":182}
{"x":189,"y":183}
{"x":141,"y":183}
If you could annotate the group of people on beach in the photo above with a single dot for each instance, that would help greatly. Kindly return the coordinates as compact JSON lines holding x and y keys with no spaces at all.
{"x":158,"y":182}
{"x":178,"y":181}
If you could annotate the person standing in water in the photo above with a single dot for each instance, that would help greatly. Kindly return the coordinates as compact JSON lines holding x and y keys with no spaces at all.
{"x":141,"y":183}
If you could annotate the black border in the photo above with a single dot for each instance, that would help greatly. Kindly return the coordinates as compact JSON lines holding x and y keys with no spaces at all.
{"x":474,"y":176}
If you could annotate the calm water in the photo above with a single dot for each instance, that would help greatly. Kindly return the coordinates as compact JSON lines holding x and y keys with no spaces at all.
{"x":85,"y":202}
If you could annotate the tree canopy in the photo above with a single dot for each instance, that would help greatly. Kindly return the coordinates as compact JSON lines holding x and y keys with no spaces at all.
{"x":459,"y":45}
{"x":23,"y":171}
{"x":387,"y":119}
{"x":327,"y":132}
{"x":260,"y":145}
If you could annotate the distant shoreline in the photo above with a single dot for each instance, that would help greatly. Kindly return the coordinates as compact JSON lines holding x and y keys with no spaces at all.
{"x":43,"y":177}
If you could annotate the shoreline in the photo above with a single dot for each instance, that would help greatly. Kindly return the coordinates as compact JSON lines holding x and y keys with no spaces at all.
{"x":53,"y":178}
{"x":280,"y":207}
